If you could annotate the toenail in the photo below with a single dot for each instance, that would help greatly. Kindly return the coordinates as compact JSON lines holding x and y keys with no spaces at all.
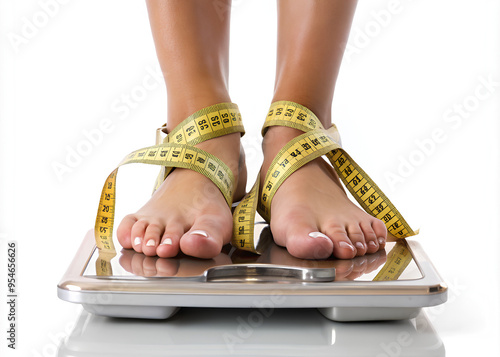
{"x":150,"y":243}
{"x":167,"y":241}
{"x":372,"y":244}
{"x":201,"y":233}
{"x":317,"y":235}
{"x":360,"y":245}
{"x":381,"y":240}
{"x":137,"y":241}
{"x":346,"y":245}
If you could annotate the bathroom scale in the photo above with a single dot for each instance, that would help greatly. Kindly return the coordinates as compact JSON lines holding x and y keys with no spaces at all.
{"x":392,"y":284}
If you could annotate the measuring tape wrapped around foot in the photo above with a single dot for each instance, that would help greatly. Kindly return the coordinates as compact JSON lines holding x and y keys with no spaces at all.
{"x":315,"y":142}
{"x":177,"y":150}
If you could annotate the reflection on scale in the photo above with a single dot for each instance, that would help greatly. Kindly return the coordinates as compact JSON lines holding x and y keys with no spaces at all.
{"x":393,"y":263}
{"x":250,"y":332}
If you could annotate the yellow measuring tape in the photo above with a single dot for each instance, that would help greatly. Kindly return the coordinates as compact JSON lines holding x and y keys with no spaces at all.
{"x":177,"y":150}
{"x":397,"y":260}
{"x":315,"y":142}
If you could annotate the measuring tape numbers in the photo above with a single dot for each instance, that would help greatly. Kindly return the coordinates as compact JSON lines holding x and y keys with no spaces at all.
{"x":397,"y":260}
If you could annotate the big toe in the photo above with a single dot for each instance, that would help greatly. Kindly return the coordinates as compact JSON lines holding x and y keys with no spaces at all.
{"x":302,"y":238}
{"x":206,"y":237}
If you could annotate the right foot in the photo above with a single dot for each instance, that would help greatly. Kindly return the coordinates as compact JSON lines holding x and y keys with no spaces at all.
{"x":314,"y":221}
{"x":187,"y":212}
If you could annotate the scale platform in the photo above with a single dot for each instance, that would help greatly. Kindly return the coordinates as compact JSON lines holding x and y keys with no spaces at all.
{"x":136,"y":286}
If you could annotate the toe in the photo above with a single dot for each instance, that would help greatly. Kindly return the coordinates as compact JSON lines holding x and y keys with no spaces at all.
{"x":370,"y":237}
{"x":380,"y":231}
{"x":205,"y":238}
{"x":152,"y":236}
{"x":169,"y":246}
{"x":342,"y":247}
{"x":301,"y":236}
{"x":309,"y":243}
{"x":357,"y":238}
{"x":124,"y":229}
{"x":137,"y":234}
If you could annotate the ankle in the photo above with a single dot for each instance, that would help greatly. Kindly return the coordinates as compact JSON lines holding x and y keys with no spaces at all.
{"x":228,"y":149}
{"x":181,"y":106}
{"x":276,"y":137}
{"x":321,"y":108}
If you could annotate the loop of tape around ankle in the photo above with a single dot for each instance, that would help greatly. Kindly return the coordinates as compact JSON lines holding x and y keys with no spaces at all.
{"x":207,"y":123}
{"x":316,"y":141}
{"x":177,"y":150}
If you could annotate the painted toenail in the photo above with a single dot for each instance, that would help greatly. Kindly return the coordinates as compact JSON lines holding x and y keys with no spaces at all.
{"x":372,"y":244}
{"x":381,"y":240}
{"x":167,"y":241}
{"x":137,"y":241}
{"x":201,"y":233}
{"x":346,"y":245}
{"x":150,"y":243}
{"x":360,"y":245}
{"x":317,"y":235}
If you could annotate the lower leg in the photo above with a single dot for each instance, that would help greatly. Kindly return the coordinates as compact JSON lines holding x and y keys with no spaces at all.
{"x":192,"y":45}
{"x":311,"y":43}
{"x":317,"y":220}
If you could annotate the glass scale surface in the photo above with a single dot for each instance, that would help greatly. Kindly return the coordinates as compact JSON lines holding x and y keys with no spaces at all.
{"x":137,"y":286}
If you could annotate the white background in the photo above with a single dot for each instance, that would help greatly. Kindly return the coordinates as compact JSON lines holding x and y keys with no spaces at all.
{"x":66,"y":70}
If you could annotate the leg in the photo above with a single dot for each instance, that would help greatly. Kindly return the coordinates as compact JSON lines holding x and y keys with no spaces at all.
{"x":192,"y":44}
{"x":316,"y":220}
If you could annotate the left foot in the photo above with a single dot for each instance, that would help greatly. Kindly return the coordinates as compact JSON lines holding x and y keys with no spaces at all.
{"x":310,"y":213}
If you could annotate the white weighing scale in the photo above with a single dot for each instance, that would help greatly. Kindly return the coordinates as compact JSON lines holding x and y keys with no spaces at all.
{"x":137,"y":286}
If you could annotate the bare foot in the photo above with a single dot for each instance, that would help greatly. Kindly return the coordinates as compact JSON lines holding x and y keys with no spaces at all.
{"x":310,"y":213}
{"x":187,"y":212}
